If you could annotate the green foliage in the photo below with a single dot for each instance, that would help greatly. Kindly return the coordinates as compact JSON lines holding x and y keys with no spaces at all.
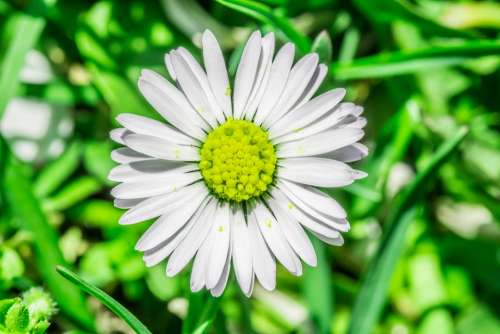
{"x":422,"y":252}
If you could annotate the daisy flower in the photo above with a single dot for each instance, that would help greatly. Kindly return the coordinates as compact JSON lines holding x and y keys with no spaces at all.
{"x":231,"y":178}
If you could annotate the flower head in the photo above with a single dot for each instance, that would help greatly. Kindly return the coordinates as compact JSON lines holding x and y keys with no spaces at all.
{"x":231,"y":179}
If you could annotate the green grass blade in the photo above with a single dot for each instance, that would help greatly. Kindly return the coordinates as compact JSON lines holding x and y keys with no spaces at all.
{"x":404,"y":62}
{"x":53,"y":175}
{"x":19,"y":198}
{"x":107,"y":300}
{"x":317,"y":290}
{"x":202,"y":310}
{"x":265,"y":15}
{"x":371,"y":297}
{"x":27,"y":30}
{"x":73,"y":193}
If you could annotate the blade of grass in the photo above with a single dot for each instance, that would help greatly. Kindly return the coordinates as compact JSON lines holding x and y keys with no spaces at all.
{"x":202,"y":309}
{"x":405,"y":62}
{"x":104,"y":298}
{"x":74,"y":192}
{"x":19,"y":198}
{"x":265,"y":15}
{"x":317,"y":290}
{"x":53,"y":175}
{"x":27,"y":29}
{"x":371,"y":297}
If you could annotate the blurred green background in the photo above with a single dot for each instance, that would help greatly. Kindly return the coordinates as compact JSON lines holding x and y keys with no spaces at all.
{"x":423,"y":253}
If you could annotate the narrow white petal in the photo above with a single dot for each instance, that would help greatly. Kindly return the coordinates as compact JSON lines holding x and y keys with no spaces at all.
{"x":242,"y":253}
{"x":246,"y":73}
{"x":149,"y":170}
{"x":158,"y":205}
{"x":218,"y":289}
{"x":193,"y":240}
{"x":274,"y":237}
{"x":279,"y":199}
{"x":220,"y":248}
{"x":192,"y":88}
{"x":161,"y":148}
{"x":154,"y":187}
{"x":320,"y":143}
{"x":359,"y":123}
{"x":298,"y":80}
{"x":264,"y":263}
{"x":169,"y":102}
{"x":295,"y":235}
{"x":127,"y":203}
{"x":314,"y":198}
{"x":146,"y":126}
{"x":340,"y":224}
{"x":169,"y":223}
{"x":312,"y":87}
{"x":351,"y":153}
{"x":125,"y":155}
{"x":307,"y":113}
{"x":263,"y":72}
{"x":117,"y":135}
{"x":216,"y":71}
{"x":328,"y":121}
{"x":338,"y":241}
{"x":278,"y":76}
{"x":318,"y":172}
{"x":170,"y":68}
{"x":206,"y":92}
{"x":200,"y":264}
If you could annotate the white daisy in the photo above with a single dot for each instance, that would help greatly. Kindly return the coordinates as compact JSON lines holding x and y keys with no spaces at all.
{"x":231,"y":179}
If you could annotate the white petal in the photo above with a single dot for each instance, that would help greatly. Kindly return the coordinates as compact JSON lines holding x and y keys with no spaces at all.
{"x":280,"y":69}
{"x":307,"y":114}
{"x":216,"y":72}
{"x":338,"y":241}
{"x":312,"y":87}
{"x":117,"y":135}
{"x":246,"y":73}
{"x":149,"y":170}
{"x":296,"y":236}
{"x":125,"y":155}
{"x":340,"y":224}
{"x":193,"y":240}
{"x":146,"y":126}
{"x":307,"y":221}
{"x":328,"y":121}
{"x":170,"y":68}
{"x":161,"y":148}
{"x":314,"y":198}
{"x":201,"y":263}
{"x":220,"y":248}
{"x":263,"y":72}
{"x":351,"y":153}
{"x":169,"y":102}
{"x":297,"y":82}
{"x":191,"y":87}
{"x":264,"y":263}
{"x":242,"y":253}
{"x":158,"y":205}
{"x":320,"y":143}
{"x":205,"y":92}
{"x":318,"y":172}
{"x":169,"y":223}
{"x":154,"y":187}
{"x":274,"y":237}
{"x":127,"y":203}
{"x":218,"y":289}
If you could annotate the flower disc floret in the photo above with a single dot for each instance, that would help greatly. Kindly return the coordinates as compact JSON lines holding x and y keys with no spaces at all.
{"x":238,"y":161}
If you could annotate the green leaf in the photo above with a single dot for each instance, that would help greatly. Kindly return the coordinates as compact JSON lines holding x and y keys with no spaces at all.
{"x":5,"y":306}
{"x":405,"y":62}
{"x":54,"y":174}
{"x":25,"y":206}
{"x":322,"y":45}
{"x":107,"y":300}
{"x":26,"y":30}
{"x":74,"y":192}
{"x":318,"y":291}
{"x":11,"y":264}
{"x":371,"y":297}
{"x":97,"y":160}
{"x":17,"y":318}
{"x":203,"y":328}
{"x":265,"y":15}
{"x":202,"y":309}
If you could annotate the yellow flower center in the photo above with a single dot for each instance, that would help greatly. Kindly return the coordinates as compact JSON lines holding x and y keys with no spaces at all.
{"x":237,"y":161}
